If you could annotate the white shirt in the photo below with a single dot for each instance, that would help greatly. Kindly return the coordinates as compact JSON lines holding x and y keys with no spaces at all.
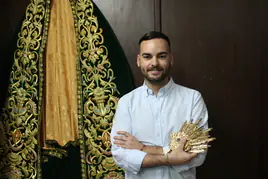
{"x":152,"y":119}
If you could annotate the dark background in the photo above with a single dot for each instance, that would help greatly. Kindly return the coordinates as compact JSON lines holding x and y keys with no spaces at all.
{"x":220,"y":49}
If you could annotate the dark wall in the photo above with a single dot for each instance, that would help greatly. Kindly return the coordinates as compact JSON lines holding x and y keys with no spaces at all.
{"x":217,"y":44}
{"x":263,"y":147}
{"x":130,"y":19}
{"x":220,"y":48}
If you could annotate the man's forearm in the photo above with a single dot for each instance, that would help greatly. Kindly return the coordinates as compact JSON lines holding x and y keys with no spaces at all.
{"x":152,"y":160}
{"x":152,"y":149}
{"x":176,"y":157}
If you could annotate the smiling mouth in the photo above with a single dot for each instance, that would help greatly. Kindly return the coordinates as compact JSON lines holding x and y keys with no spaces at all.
{"x":155,"y":72}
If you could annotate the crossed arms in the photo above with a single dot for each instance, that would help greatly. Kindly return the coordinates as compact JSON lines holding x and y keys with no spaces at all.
{"x":126,"y":149}
{"x":154,"y":156}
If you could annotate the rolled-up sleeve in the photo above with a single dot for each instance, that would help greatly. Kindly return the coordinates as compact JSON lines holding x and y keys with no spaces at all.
{"x":128,"y":159}
{"x":199,"y":111}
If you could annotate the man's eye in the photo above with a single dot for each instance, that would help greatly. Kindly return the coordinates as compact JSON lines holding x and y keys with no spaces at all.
{"x":163,"y":56}
{"x":147,"y":57}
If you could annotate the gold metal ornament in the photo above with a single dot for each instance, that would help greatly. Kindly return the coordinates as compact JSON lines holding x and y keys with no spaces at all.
{"x":197,"y":139}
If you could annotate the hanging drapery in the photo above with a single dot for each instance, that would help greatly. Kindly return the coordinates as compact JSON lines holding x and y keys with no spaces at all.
{"x":68,"y":71}
{"x":61,"y":124}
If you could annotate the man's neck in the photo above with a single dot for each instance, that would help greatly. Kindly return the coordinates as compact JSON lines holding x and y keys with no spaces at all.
{"x":156,"y":86}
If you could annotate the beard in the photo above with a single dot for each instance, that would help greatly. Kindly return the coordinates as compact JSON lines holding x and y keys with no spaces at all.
{"x":156,"y":79}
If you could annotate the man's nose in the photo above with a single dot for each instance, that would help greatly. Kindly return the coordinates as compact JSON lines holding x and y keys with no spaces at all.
{"x":155,"y":61}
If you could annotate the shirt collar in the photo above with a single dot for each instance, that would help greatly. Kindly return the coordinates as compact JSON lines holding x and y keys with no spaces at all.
{"x":162,"y":91}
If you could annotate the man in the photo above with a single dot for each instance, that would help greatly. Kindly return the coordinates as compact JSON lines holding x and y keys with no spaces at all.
{"x":146,"y":117}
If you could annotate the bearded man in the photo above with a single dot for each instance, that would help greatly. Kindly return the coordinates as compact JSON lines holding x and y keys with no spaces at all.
{"x":147,"y":116}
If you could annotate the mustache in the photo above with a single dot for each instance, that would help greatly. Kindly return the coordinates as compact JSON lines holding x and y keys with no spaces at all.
{"x":155,"y":68}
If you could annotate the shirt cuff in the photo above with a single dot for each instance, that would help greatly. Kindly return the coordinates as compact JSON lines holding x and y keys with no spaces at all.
{"x":134,"y":160}
{"x":181,"y":168}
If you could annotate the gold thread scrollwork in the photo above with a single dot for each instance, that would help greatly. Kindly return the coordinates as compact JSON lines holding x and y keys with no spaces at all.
{"x":20,"y":120}
{"x":98,"y":94}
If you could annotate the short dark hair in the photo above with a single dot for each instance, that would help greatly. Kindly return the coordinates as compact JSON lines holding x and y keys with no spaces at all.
{"x":154,"y":35}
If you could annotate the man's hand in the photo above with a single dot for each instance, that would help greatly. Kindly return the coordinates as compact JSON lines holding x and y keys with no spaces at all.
{"x":179,"y":156}
{"x":127,"y":141}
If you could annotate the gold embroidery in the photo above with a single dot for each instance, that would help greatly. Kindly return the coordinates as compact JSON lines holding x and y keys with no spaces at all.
{"x":20,"y":119}
{"x":97,"y":99}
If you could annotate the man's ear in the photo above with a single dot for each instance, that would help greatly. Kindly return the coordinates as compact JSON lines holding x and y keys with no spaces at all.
{"x":138,"y":60}
{"x":171,"y":59}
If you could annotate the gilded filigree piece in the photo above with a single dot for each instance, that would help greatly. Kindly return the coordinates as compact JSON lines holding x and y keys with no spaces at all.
{"x":20,"y":118}
{"x":98,"y":95}
{"x":197,"y":139}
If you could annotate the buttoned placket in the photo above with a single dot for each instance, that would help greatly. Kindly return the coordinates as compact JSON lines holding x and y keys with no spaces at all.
{"x":156,"y":103}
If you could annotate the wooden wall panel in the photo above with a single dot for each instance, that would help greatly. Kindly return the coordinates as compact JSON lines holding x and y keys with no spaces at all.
{"x":263,"y":147}
{"x":130,"y":19}
{"x":216,"y":47}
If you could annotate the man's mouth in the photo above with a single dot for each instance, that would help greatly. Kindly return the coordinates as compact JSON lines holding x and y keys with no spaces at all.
{"x":155,"y":72}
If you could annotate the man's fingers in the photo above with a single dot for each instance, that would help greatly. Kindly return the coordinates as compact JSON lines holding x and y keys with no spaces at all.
{"x":192,"y":155}
{"x":182,"y":143}
{"x":123,"y":138}
{"x":118,"y":142}
{"x":120,"y":145}
{"x":123,"y":133}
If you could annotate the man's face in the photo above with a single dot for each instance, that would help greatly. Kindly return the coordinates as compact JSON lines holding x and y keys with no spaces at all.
{"x":155,"y":60}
